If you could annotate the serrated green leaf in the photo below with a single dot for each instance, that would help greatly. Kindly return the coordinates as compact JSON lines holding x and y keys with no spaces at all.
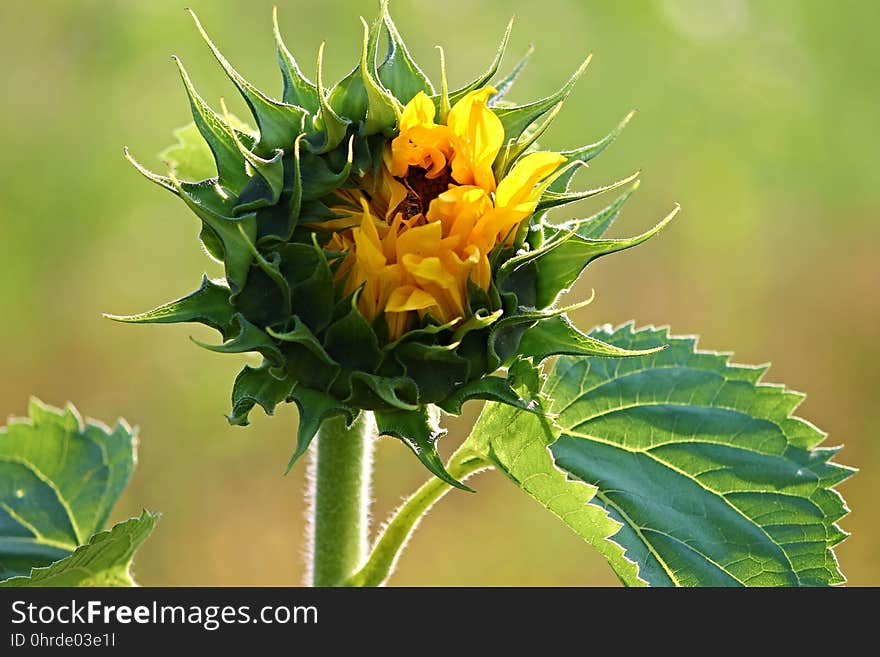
{"x":104,"y":561}
{"x":517,"y":444}
{"x":258,"y":385}
{"x":208,"y":305}
{"x":713,"y":479}
{"x":399,"y":73}
{"x":59,"y":479}
{"x":558,"y":336}
{"x":419,"y":430}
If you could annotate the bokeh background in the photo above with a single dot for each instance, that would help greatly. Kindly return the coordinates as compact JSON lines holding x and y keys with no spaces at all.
{"x":760,"y":118}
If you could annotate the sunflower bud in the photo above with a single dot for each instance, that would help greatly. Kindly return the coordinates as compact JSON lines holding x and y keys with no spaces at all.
{"x":386,"y":245}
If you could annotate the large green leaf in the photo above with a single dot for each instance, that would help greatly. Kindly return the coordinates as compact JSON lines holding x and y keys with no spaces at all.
{"x":516,"y":442}
{"x":104,"y":561}
{"x":713,"y":480}
{"x":59,"y":479}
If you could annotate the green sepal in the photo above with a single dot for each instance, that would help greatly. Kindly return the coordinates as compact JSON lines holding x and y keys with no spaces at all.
{"x":279,"y":123}
{"x":298,"y":90}
{"x":348,"y":97}
{"x":332,"y":125}
{"x":592,"y":227}
{"x":489,"y":388}
{"x":508,"y":155}
{"x":205,"y":193}
{"x":481,"y":319}
{"x":504,"y":85}
{"x":560,"y":265}
{"x":372,"y":391}
{"x":399,"y":73}
{"x":382,"y":107}
{"x":318,"y":179}
{"x":419,"y":430}
{"x":516,"y":119}
{"x":264,"y":188}
{"x":550,"y":199}
{"x":418,"y":333}
{"x":584,"y":154}
{"x":247,"y":338}
{"x":257,"y":385}
{"x":314,"y":407}
{"x":219,"y":136}
{"x":236,"y":235}
{"x":352,"y":342}
{"x":484,"y":79}
{"x":302,"y":335}
{"x":208,"y":305}
{"x":505,"y":335}
{"x":434,"y":368}
{"x":277,"y":223}
{"x":558,"y":336}
{"x":311,"y":283}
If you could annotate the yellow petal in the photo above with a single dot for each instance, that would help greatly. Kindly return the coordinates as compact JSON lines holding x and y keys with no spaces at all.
{"x":429,"y":271}
{"x":422,"y":241}
{"x":421,"y":142}
{"x":518,"y":186}
{"x":458,"y":209}
{"x":478,"y":135}
{"x":409,"y":298}
{"x":418,"y":111}
{"x":368,"y":247}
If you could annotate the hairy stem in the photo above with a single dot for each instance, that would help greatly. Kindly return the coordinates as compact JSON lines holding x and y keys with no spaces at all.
{"x":341,"y":472}
{"x":403,"y":523}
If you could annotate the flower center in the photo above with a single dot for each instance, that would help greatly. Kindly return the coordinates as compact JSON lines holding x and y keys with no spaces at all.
{"x":422,"y":189}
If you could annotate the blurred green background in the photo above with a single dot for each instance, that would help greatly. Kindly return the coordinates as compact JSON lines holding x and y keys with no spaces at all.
{"x":760,"y":118}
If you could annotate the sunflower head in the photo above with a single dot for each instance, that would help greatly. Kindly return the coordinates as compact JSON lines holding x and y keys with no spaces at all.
{"x":385,"y":244}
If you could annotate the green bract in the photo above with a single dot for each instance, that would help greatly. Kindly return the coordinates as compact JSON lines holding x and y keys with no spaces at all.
{"x":279,"y":298}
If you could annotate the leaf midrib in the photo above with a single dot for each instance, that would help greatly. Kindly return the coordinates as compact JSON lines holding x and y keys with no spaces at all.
{"x":711,"y":491}
{"x":51,"y":484}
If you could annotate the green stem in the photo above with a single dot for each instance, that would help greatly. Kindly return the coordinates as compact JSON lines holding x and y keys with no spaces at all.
{"x":340,"y":498}
{"x":396,"y":534}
